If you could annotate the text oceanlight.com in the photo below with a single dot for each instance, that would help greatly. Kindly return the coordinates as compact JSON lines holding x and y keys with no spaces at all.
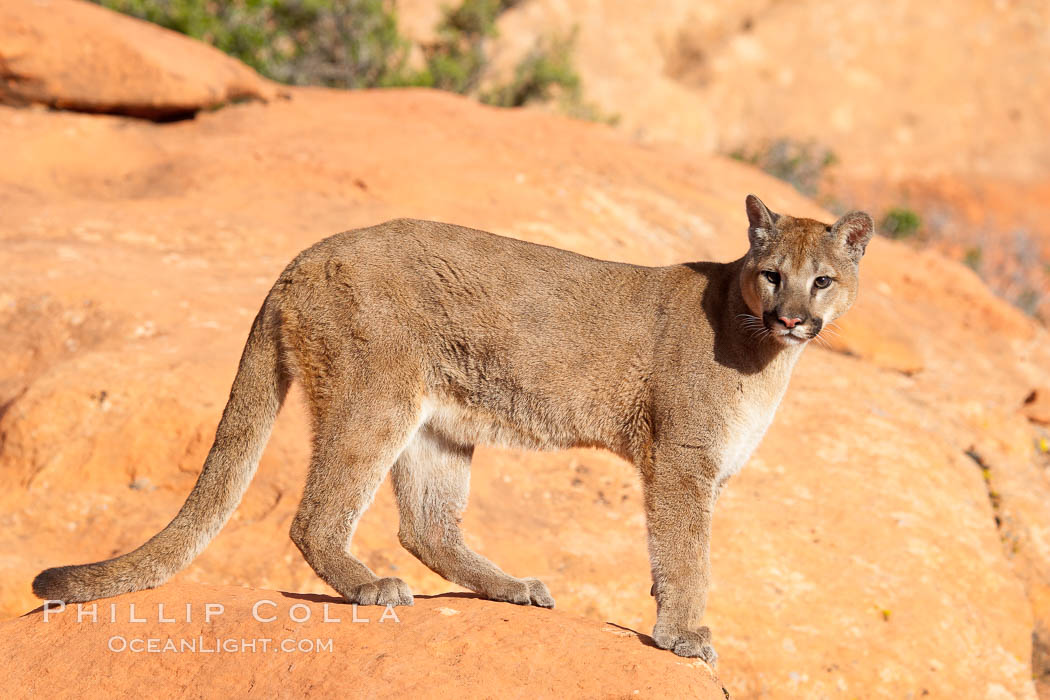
{"x":215,"y":645}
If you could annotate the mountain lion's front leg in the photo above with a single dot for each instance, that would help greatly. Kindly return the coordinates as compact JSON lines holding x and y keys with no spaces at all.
{"x":679,"y":495}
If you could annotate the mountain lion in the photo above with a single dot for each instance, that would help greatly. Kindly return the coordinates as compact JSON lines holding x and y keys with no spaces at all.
{"x":414,"y":341}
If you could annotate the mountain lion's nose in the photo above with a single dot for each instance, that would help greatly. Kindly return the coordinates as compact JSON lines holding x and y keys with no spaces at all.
{"x":790,"y":322}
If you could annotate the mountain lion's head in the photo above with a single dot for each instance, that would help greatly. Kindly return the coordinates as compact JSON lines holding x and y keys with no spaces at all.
{"x":800,"y":274}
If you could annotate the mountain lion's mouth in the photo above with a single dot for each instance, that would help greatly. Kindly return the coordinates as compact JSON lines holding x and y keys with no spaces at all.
{"x":793,"y":336}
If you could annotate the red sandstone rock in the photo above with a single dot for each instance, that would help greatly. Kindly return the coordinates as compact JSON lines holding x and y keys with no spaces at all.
{"x":77,"y":55}
{"x":239,"y":642}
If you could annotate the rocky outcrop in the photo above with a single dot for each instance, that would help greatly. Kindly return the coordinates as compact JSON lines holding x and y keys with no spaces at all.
{"x":76,"y":55}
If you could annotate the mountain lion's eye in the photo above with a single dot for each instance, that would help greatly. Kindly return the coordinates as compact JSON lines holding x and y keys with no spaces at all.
{"x":773,"y":277}
{"x":822,"y":282}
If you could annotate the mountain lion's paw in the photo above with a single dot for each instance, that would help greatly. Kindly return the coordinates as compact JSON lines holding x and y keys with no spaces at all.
{"x":538,"y":593}
{"x":382,"y":591}
{"x":526,"y":591}
{"x":687,"y":643}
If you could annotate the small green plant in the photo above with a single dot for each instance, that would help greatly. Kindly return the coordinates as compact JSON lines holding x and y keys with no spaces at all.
{"x":547,"y":74}
{"x":1017,"y":277}
{"x":799,"y":163}
{"x":972,"y":258}
{"x":546,"y":69}
{"x":900,"y":222}
{"x":457,"y":59}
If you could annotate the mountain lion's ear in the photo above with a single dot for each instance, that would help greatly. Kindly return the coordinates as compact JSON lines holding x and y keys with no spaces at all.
{"x":854,"y":229}
{"x":761,"y":221}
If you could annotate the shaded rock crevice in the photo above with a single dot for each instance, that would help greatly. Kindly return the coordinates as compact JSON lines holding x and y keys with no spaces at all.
{"x":1015,"y":536}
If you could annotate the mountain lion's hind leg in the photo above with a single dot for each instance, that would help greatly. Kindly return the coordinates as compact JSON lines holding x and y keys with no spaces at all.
{"x":354,"y":449}
{"x":431,"y":480}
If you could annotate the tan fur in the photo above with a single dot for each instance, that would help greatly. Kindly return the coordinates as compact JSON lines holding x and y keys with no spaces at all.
{"x":416,"y":340}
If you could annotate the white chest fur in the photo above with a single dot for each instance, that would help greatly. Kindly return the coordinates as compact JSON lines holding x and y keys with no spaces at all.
{"x":746,"y":427}
{"x":748,"y":421}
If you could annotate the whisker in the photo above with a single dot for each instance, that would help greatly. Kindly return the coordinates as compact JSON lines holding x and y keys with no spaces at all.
{"x":753,"y":326}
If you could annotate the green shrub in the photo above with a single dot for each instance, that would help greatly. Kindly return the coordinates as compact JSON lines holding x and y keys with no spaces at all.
{"x":546,"y":69}
{"x":973,"y":257}
{"x":900,"y":222}
{"x":799,"y":163}
{"x":456,"y":60}
{"x":546,"y":74}
{"x":337,"y":43}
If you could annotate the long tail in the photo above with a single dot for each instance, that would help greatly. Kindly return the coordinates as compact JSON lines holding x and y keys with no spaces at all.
{"x":256,"y":397}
